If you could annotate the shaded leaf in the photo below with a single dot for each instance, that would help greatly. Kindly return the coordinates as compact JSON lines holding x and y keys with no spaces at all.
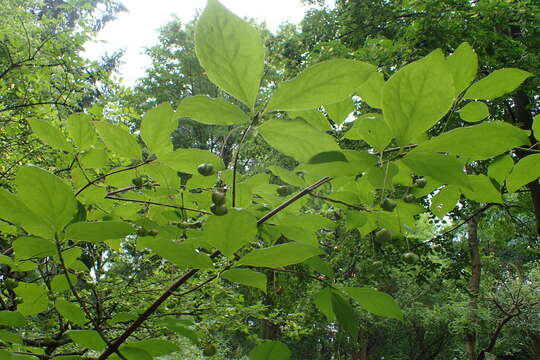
{"x":211,"y":111}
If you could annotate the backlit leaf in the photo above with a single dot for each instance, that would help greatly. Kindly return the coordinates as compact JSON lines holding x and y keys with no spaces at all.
{"x":524,"y":172}
{"x":376,"y":302}
{"x":49,"y":134}
{"x":474,"y":111}
{"x":211,"y":111}
{"x":497,"y":84}
{"x":156,"y":128}
{"x":246,"y":277}
{"x":118,"y":140}
{"x":270,"y":350}
{"x":280,"y":255}
{"x":463,"y":64}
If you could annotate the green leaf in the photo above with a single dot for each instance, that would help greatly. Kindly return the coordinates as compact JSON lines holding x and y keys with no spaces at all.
{"x":12,"y":318}
{"x":156,"y":128}
{"x":482,"y":190}
{"x":81,"y":131}
{"x":230,"y":232}
{"x":525,"y":171}
{"x":319,"y":265}
{"x":230,"y":51}
{"x":313,"y":117}
{"x":246,"y":277}
{"x":132,"y":353}
{"x":270,"y":350}
{"x":211,"y":111}
{"x":478,"y":142}
{"x":287,"y":176}
{"x":340,"y":111}
{"x":463,"y":64}
{"x":9,"y":337}
{"x":118,"y":140}
{"x":59,"y":283}
{"x":445,"y":200}
{"x":89,"y":339}
{"x":27,"y":247}
{"x":71,"y":312}
{"x":180,"y":326}
{"x":16,"y":212}
{"x":371,"y":91}
{"x":372,"y":129}
{"x":323,"y":301}
{"x":346,"y":315}
{"x":47,"y":195}
{"x":181,"y":254}
{"x":328,"y":156}
{"x":34,"y":296}
{"x":444,"y":168}
{"x":417,"y":96}
{"x":296,"y":138}
{"x":500,"y":168}
{"x":474,"y":111}
{"x":536,"y":126}
{"x":280,"y":255}
{"x":497,"y":84}
{"x":156,"y":347}
{"x":321,"y":84}
{"x":98,"y":231}
{"x":187,"y":160}
{"x":376,"y":302}
{"x":49,"y":134}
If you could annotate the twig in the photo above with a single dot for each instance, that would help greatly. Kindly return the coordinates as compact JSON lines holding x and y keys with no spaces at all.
{"x":157,"y":203}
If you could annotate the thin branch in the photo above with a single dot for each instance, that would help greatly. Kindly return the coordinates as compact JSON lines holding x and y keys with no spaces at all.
{"x":157,"y":204}
{"x":357,"y":207}
{"x":237,"y":156}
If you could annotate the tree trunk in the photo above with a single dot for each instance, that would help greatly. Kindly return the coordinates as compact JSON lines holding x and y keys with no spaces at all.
{"x":535,"y":346}
{"x":362,"y":352}
{"x":472,"y":313}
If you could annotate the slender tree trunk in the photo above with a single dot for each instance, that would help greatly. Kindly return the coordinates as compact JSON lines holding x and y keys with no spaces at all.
{"x":472,"y":311}
{"x":362,"y":352}
{"x":535,"y":346}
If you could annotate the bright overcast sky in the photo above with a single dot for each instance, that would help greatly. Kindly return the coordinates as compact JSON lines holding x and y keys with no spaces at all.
{"x":138,"y":28}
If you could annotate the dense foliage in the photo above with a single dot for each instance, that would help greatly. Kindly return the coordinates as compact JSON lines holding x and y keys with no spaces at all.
{"x":364,"y":186}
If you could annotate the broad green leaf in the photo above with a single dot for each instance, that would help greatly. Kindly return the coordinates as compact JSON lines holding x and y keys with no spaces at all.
{"x":180,"y":326}
{"x":187,"y":160}
{"x":323,"y":301}
{"x":12,"y":318}
{"x":474,"y":111}
{"x":376,"y":302}
{"x":230,"y":232}
{"x":497,"y":84}
{"x":118,"y":140}
{"x":500,"y":168}
{"x":371,"y":91}
{"x":9,"y":337}
{"x":28,"y":247}
{"x":417,"y":96}
{"x":372,"y":129}
{"x":319,"y":265}
{"x":482,"y":190}
{"x":81,"y":131}
{"x":87,"y":339}
{"x":16,"y":212}
{"x":270,"y":350}
{"x":98,"y":231}
{"x":444,"y":201}
{"x":49,"y":134}
{"x":34,"y":296}
{"x":132,"y":353}
{"x":525,"y":171}
{"x":328,"y":156}
{"x":321,"y":84}
{"x":71,"y":312}
{"x":287,"y":176}
{"x":60,"y":284}
{"x":211,"y":111}
{"x":246,"y":277}
{"x":47,"y":195}
{"x":463,"y":64}
{"x":123,"y":317}
{"x":230,"y":51}
{"x":181,"y":254}
{"x":313,"y":117}
{"x":156,"y":128}
{"x":478,"y":142}
{"x":280,"y":255}
{"x":536,"y":126}
{"x":156,"y":347}
{"x":340,"y":111}
{"x":444,"y":168}
{"x":345,"y":315}
{"x":296,"y":138}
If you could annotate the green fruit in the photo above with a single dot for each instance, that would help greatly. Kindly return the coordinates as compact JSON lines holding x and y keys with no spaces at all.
{"x":218,"y":210}
{"x":420,"y":182}
{"x":410,"y":258}
{"x":218,"y":198}
{"x":284,"y":190}
{"x":138,"y":181}
{"x":383,"y":236}
{"x":205,"y":169}
{"x":388,"y":204}
{"x":409,"y":198}
{"x":209,"y":350}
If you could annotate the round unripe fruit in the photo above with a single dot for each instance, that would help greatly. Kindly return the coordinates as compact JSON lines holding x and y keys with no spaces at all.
{"x":383,"y":236}
{"x":138,"y":181}
{"x":420,"y":182}
{"x":283,"y":190}
{"x":218,"y":210}
{"x":388,"y":205}
{"x":205,"y":169}
{"x":209,"y":350}
{"x":218,"y":198}
{"x":410,"y":258}
{"x":409,"y":198}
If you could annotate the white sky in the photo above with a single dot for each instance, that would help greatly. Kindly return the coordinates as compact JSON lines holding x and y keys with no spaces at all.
{"x":138,"y":28}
